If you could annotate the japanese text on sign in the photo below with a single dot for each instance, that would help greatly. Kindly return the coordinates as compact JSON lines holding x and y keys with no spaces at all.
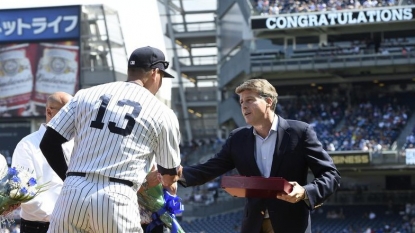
{"x":39,"y":23}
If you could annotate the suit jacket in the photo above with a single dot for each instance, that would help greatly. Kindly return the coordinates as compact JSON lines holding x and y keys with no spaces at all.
{"x":297,"y":150}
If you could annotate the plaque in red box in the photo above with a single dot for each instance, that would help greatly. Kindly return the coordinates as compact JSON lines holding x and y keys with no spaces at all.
{"x":255,"y":186}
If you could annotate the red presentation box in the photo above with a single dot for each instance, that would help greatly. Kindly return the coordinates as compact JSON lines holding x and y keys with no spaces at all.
{"x":255,"y":186}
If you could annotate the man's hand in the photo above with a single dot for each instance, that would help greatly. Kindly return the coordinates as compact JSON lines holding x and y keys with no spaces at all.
{"x":172,"y":189}
{"x":298,"y":194}
{"x":167,"y":179}
{"x":169,"y":182}
{"x":151,"y":177}
{"x":11,"y":209}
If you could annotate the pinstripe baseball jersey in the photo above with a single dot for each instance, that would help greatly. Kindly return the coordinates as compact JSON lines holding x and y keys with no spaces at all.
{"x":118,"y":128}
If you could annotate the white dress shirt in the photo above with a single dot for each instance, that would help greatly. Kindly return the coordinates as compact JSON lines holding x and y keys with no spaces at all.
{"x":264,"y":151}
{"x":265,"y":147}
{"x":28,"y":155}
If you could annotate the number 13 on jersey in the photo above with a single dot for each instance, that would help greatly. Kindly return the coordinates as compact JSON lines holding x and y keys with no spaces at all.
{"x":99,"y":124}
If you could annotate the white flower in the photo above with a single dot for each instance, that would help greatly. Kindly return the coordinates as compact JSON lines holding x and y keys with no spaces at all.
{"x":17,"y":186}
{"x":14,"y":193}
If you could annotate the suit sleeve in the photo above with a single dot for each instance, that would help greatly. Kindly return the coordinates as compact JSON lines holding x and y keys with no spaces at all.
{"x":214,"y":167}
{"x":326,"y":176}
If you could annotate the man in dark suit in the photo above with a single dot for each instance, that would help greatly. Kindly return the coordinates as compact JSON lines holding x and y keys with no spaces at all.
{"x":272,"y":147}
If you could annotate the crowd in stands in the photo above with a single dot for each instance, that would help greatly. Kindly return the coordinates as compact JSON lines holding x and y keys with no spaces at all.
{"x":276,"y":7}
{"x":326,"y":219}
{"x":410,"y":140}
{"x":327,"y":52}
{"x":323,"y":112}
{"x":387,"y":218}
{"x":193,"y":151}
{"x":206,"y":194}
{"x":353,"y":118}
{"x":361,"y":120}
{"x":372,"y":125}
{"x":368,"y":122}
{"x":402,"y":46}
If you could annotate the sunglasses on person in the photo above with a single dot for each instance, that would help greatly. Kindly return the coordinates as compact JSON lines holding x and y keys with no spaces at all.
{"x":165,"y":64}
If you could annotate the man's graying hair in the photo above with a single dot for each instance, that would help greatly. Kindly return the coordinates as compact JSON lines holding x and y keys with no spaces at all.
{"x":262,"y":87}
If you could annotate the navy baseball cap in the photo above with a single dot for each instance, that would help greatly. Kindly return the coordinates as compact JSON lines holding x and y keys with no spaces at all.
{"x":149,"y":57}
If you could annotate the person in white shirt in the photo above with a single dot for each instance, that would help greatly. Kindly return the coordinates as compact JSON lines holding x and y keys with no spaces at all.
{"x":35,"y":214}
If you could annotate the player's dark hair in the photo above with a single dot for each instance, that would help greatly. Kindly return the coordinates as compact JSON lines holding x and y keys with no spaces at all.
{"x":137,"y":73}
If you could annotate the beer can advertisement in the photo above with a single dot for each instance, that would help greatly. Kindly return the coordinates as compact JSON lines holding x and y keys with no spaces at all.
{"x":30,"y":72}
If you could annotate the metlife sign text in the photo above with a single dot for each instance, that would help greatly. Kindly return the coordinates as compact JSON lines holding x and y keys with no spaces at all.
{"x":39,"y":23}
{"x":335,"y":18}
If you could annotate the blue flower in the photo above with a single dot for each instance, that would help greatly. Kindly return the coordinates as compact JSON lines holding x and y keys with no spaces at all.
{"x":17,"y":186}
{"x":32,"y":182}
{"x":13,"y":171}
{"x":16,"y":179}
{"x":23,"y":190}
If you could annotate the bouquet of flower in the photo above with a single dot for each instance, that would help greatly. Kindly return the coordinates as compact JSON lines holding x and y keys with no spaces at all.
{"x":164,"y":207}
{"x":16,"y":186}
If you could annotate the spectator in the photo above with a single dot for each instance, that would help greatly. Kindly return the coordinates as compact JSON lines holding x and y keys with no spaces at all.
{"x":372,"y":215}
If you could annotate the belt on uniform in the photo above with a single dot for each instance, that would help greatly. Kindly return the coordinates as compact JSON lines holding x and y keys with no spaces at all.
{"x":112,"y":179}
{"x":30,"y":225}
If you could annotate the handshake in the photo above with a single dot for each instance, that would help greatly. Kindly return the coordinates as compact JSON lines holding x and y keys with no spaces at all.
{"x":167,"y":177}
{"x":158,"y":194}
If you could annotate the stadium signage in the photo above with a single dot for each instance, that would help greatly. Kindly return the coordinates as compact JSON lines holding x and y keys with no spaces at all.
{"x":351,"y":158}
{"x":334,"y":18}
{"x":39,"y":23}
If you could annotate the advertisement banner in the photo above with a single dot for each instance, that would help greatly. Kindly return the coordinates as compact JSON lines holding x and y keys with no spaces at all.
{"x":16,"y":79}
{"x":39,"y":23}
{"x":57,"y":70}
{"x":350,"y":158}
{"x":31,"y":72}
{"x":333,"y":18}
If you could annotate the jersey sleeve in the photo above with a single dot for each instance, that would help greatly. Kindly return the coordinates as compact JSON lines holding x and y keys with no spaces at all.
{"x":64,"y":121}
{"x":168,"y":151}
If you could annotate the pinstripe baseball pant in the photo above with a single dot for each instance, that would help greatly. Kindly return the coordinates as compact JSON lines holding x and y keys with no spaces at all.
{"x":93,"y":204}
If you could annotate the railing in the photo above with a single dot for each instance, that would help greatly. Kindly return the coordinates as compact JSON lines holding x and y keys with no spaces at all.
{"x":346,"y":61}
{"x":371,"y":197}
{"x":199,"y":60}
{"x":194,"y":26}
{"x":201,"y":96}
{"x":364,"y":159}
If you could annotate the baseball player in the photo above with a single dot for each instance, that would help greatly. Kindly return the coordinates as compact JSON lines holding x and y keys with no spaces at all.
{"x":118,"y":128}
